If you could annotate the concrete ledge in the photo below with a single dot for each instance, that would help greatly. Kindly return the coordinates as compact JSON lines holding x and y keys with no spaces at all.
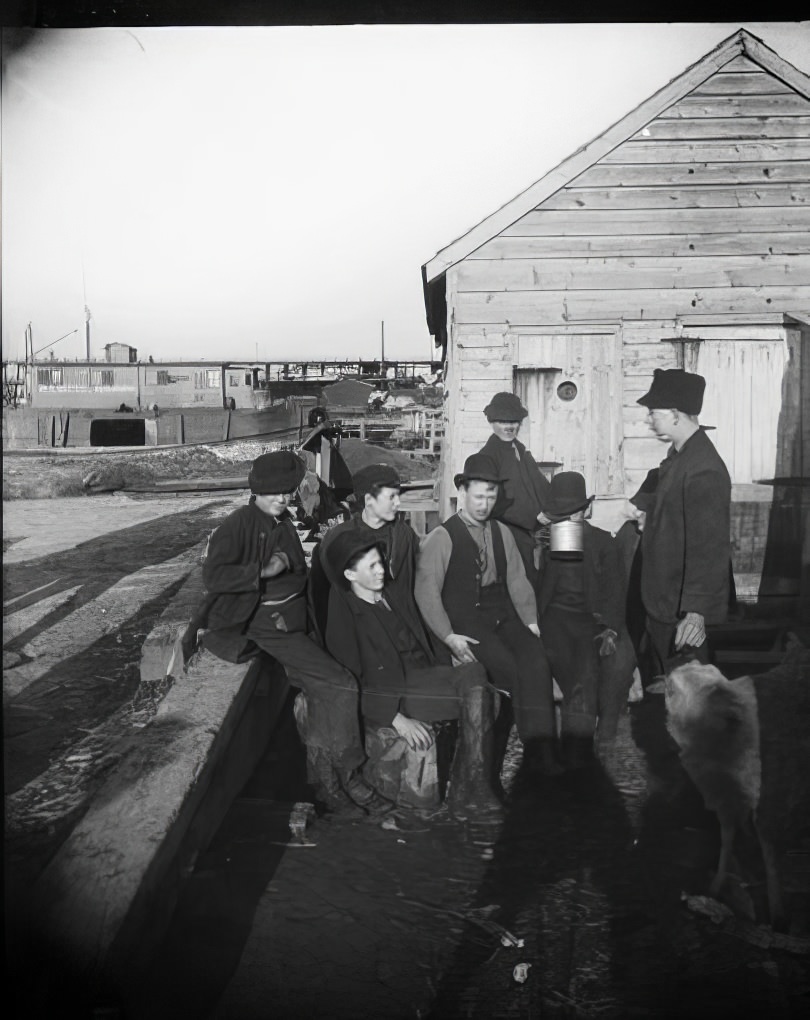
{"x":107,"y":896}
{"x":161,"y":652}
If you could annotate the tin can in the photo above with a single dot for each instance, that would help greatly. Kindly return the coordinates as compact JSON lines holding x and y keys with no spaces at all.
{"x":565,"y":540}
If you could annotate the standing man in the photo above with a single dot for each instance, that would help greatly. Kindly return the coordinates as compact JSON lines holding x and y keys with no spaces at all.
{"x":581,"y":601}
{"x":525,"y":488}
{"x":473,"y":593}
{"x":255,"y":573}
{"x":686,"y":544}
{"x":401,"y":684}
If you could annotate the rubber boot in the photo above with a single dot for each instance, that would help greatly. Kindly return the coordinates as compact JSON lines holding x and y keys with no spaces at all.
{"x":471,"y":792}
{"x":363,"y":794}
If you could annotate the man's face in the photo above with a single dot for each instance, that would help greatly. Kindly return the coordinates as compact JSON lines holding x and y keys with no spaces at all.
{"x":505,"y":430}
{"x":479,"y":499}
{"x":368,"y":573}
{"x":661,"y":420}
{"x":273,"y":504}
{"x":384,"y":505}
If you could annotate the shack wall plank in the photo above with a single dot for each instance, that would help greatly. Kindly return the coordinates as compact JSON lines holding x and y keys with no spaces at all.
{"x":666,"y":245}
{"x":733,"y":127}
{"x":691,"y":197}
{"x":648,"y":150}
{"x":654,"y":221}
{"x":788,"y":104}
{"x":528,"y":307}
{"x":633,"y":273}
{"x":741,"y":83}
{"x":693,"y":174}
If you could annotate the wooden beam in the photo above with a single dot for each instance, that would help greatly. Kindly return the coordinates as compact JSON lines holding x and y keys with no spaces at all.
{"x":566,"y":222}
{"x":741,"y":83}
{"x":634,"y":245}
{"x":733,"y":127}
{"x":667,"y":151}
{"x":692,"y":175}
{"x":788,"y":104}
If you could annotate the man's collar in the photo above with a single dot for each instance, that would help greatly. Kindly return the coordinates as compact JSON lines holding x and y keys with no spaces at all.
{"x":470,"y":522}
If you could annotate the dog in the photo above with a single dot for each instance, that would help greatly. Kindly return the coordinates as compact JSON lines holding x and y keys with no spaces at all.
{"x":744,"y":745}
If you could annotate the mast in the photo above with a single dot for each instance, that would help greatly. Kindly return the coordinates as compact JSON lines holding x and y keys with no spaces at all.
{"x":382,"y":349}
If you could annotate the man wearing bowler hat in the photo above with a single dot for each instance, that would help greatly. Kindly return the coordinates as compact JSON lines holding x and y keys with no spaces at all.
{"x":473,"y":593}
{"x":686,"y":543}
{"x":525,"y":488}
{"x":581,"y":602}
{"x":255,"y":574}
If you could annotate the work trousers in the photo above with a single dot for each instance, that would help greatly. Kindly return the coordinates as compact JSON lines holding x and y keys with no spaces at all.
{"x":514,"y":659}
{"x":434,"y":693}
{"x":591,"y":685}
{"x":333,"y":718}
{"x":662,"y":642}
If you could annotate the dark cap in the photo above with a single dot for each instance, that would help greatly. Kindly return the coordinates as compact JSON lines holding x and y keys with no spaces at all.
{"x":567,"y":495}
{"x":375,"y":474}
{"x":348,"y":544}
{"x":280,"y":471}
{"x":478,"y":467}
{"x":505,"y":407}
{"x":673,"y":387}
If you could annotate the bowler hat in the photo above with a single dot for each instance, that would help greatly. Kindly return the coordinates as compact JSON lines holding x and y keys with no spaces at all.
{"x":375,"y":474}
{"x":505,"y":407}
{"x":280,"y":471}
{"x":478,"y":467}
{"x":673,"y":387}
{"x":567,"y":495}
{"x":347,"y":544}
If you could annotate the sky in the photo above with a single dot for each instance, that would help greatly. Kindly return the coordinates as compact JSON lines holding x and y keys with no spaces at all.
{"x":272,"y":193}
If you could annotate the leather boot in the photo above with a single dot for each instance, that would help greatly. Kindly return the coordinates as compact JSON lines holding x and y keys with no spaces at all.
{"x":471,"y":790}
{"x":363,"y":794}
{"x":540,"y":757}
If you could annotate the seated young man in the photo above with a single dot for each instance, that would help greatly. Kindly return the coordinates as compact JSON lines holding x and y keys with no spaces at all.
{"x":581,"y":605}
{"x":473,"y":593}
{"x":376,"y":499}
{"x":401,"y":686}
{"x":255,"y":575}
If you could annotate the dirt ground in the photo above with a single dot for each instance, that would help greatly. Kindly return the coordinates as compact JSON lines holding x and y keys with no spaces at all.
{"x":77,"y":474}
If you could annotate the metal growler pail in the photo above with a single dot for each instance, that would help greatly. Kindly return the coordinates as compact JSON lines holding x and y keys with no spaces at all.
{"x":565,"y":540}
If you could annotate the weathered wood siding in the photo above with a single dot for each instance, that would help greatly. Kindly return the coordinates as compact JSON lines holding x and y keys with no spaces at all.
{"x":705,"y":210}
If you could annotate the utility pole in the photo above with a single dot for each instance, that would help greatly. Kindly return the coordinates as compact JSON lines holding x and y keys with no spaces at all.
{"x":382,"y":346}
{"x":87,"y":330}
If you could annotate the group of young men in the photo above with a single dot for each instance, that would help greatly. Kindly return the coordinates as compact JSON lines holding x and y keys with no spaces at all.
{"x":388,"y":632}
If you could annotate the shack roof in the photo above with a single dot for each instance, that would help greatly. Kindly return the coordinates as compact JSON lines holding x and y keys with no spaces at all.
{"x":740,"y":43}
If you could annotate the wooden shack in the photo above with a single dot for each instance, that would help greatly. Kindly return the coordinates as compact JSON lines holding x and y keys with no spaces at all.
{"x":680,"y":237}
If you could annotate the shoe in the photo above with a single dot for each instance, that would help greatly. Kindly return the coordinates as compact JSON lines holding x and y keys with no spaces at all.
{"x":364,"y":795}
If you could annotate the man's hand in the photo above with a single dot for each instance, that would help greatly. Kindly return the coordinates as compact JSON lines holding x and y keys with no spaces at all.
{"x":690,"y":631}
{"x":415,"y":734}
{"x":607,"y":637}
{"x":277,"y":565}
{"x":533,"y":627}
{"x":459,"y":645}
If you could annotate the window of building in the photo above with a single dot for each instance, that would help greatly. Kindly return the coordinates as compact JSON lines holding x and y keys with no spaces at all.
{"x":233,"y":380}
{"x":212,"y":378}
{"x":163,"y":378}
{"x":49,"y":378}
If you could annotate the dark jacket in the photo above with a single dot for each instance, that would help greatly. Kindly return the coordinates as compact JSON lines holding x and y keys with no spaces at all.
{"x":357,"y":639}
{"x":603,"y":579}
{"x":526,"y":490}
{"x":401,"y":545}
{"x":686,"y":544}
{"x":237,"y":551}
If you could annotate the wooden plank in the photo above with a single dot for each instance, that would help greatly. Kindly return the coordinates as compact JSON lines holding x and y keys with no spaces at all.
{"x":656,"y":221}
{"x":772,"y":62}
{"x":648,"y":150}
{"x":693,"y":174}
{"x":643,"y":454}
{"x":633,"y":273}
{"x":741,"y":83}
{"x":686,"y":197}
{"x":740,"y":64}
{"x":530,"y":307}
{"x":667,"y":245}
{"x":788,"y":104}
{"x":733,"y":127}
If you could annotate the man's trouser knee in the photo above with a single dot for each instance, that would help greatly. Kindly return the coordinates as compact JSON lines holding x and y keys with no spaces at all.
{"x":573,"y":654}
{"x":333,"y":720}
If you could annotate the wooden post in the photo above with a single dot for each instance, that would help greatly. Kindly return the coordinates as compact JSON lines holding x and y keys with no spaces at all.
{"x":180,"y":430}
{"x":226,"y":428}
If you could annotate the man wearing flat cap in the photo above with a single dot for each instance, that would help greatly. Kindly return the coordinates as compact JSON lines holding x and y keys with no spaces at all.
{"x":376,"y":498}
{"x":686,"y":542}
{"x":255,"y":575}
{"x":402,"y":685}
{"x":581,"y":604}
{"x":473,"y":593}
{"x":525,"y":488}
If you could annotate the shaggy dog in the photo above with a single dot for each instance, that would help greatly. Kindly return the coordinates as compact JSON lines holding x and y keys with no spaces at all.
{"x":744,"y":744}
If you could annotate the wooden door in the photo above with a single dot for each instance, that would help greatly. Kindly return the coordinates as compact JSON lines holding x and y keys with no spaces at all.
{"x":572,"y":387}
